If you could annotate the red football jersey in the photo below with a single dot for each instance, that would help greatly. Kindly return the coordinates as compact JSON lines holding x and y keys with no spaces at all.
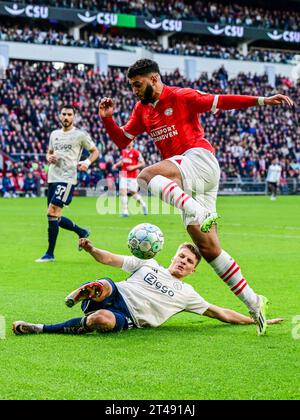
{"x":130,"y":157}
{"x":173,"y":121}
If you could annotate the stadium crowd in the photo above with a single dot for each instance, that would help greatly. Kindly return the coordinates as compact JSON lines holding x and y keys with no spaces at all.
{"x":189,"y":47}
{"x":245,"y":141}
{"x":213,"y":11}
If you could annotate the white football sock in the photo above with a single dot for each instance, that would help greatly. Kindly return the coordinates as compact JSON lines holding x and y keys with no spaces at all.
{"x":171,"y":193}
{"x":139,"y":199}
{"x":124,"y":201}
{"x":229,"y":271}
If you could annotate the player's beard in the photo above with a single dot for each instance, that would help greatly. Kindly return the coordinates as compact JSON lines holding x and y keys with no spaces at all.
{"x":66,"y":124}
{"x":148,"y":95}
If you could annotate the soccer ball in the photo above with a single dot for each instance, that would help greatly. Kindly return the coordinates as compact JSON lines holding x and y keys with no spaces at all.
{"x":145,"y":241}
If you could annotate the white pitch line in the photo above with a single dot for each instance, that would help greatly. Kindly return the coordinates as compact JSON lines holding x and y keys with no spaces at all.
{"x":257,"y":235}
{"x":259,"y":226}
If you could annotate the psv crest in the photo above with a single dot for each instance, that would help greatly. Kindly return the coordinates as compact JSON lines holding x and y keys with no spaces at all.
{"x":168,"y":112}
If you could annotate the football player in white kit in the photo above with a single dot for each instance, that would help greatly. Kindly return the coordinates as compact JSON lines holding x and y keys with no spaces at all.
{"x":273,"y":177}
{"x":64,"y":153}
{"x":148,"y":298}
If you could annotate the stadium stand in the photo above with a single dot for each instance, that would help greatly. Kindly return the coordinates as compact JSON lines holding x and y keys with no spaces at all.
{"x":190,"y":47}
{"x":237,"y":13}
{"x":245,"y":141}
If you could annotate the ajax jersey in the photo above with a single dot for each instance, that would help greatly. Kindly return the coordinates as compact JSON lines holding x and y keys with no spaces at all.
{"x":153,"y":295}
{"x":68,"y":147}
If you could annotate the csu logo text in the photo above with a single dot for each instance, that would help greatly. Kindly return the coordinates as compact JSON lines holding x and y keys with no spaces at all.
{"x":38,"y":12}
{"x":153,"y":281}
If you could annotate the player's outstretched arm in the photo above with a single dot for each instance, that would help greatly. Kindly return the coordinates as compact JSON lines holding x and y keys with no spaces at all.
{"x":100,"y":255}
{"x":227,"y":102}
{"x":279,"y":100}
{"x":232,"y":317}
{"x":105,"y":111}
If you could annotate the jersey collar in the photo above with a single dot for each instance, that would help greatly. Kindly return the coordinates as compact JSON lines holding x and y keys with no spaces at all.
{"x":67,"y":132}
{"x":163,"y":94}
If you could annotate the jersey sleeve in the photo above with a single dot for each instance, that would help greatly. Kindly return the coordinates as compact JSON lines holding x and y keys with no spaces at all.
{"x":134,"y":125}
{"x":198,"y":101}
{"x":132,"y":264}
{"x":87,"y":142}
{"x":196,"y":303}
{"x":205,"y":102}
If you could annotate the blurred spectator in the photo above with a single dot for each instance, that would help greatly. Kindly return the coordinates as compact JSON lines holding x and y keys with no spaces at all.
{"x":189,"y":47}
{"x":1,"y":185}
{"x":30,"y":186}
{"x":9,"y":186}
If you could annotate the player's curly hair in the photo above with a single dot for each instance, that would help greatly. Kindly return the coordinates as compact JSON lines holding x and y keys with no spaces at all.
{"x":193,"y":248}
{"x":142,"y":67}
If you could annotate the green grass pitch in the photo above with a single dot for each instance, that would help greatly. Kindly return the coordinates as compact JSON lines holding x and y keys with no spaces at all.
{"x":189,"y":357}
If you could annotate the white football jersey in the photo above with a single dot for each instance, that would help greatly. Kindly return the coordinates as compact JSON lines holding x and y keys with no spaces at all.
{"x":274,"y":173}
{"x":68,"y":147}
{"x":153,"y":295}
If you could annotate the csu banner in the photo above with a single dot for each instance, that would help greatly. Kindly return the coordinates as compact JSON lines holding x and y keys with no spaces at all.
{"x":217,"y":30}
{"x":79,"y":16}
{"x":66,"y":15}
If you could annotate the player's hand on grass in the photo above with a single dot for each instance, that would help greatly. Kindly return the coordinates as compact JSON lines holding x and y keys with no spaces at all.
{"x":85,"y":244}
{"x":274,"y":321}
{"x":106,"y":107}
{"x":279,"y":100}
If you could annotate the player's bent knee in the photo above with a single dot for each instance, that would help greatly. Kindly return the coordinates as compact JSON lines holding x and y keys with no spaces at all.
{"x":54,"y":211}
{"x":102,"y":321}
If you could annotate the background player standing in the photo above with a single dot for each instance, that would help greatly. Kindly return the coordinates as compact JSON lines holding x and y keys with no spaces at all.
{"x":64,"y":153}
{"x":188,"y":177}
{"x":273,"y":178}
{"x":130,"y":163}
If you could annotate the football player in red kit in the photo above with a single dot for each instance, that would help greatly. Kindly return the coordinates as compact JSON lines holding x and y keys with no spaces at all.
{"x":188,"y":176}
{"x":131,"y":161}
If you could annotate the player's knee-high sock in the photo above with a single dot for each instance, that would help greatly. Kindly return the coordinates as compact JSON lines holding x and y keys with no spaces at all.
{"x":139,"y":199}
{"x":171,"y":193}
{"x":52,"y":234}
{"x":229,"y":271}
{"x":72,"y":326}
{"x":124,"y":201}
{"x":67,"y":224}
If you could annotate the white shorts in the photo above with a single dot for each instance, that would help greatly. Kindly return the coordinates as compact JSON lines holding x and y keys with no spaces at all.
{"x":201,"y":174}
{"x":129,"y":184}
